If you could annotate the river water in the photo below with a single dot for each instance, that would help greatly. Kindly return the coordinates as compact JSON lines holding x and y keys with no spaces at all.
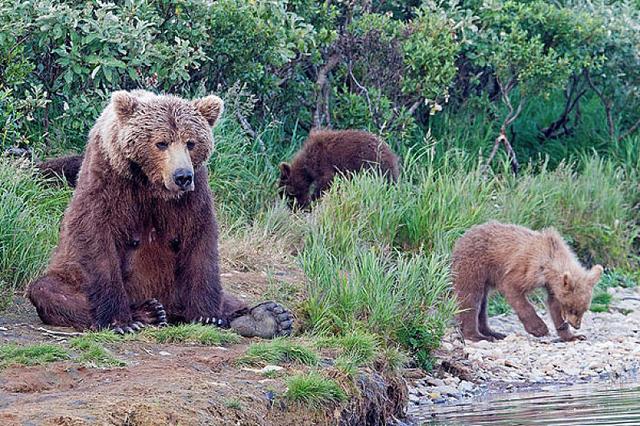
{"x":588,"y":404}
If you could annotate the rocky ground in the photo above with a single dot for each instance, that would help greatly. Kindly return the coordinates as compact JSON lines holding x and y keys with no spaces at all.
{"x":521,"y":361}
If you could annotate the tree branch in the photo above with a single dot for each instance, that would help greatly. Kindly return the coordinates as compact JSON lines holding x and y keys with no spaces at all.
{"x":322,"y":83}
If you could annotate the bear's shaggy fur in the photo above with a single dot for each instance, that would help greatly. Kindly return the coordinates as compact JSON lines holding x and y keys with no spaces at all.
{"x":515,"y":261}
{"x":138,"y":242}
{"x":327,"y":152}
{"x":67,"y":167}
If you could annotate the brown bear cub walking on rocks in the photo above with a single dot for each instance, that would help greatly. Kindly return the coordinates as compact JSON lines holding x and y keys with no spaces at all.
{"x":139,"y":241}
{"x":327,"y":152}
{"x":515,"y":261}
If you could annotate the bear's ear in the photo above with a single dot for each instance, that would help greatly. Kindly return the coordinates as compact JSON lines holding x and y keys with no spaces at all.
{"x":285,"y":171}
{"x":596,"y":273}
{"x":566,"y":281}
{"x":210,"y":107}
{"x":124,"y":104}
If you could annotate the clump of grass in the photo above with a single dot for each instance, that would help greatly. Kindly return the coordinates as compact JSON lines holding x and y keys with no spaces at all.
{"x":314,"y":391}
{"x":279,"y":351}
{"x":93,"y":353}
{"x":355,"y":349}
{"x":31,"y":355}
{"x":191,"y":333}
{"x":30,"y":213}
{"x":233,"y":404}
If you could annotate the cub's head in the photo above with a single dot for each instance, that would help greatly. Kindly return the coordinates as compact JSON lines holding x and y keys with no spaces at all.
{"x":166,"y":138}
{"x":293,"y":186}
{"x":574,"y":293}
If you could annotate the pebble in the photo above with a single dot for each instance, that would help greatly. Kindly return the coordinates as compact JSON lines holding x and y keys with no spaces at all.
{"x":612,"y":350}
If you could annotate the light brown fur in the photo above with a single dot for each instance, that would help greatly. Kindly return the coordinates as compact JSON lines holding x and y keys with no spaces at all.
{"x":515,"y":260}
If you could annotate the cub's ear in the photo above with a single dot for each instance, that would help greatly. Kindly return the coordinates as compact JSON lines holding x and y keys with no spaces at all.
{"x":596,"y":273}
{"x":211,"y":108}
{"x":124,"y":104}
{"x":285,"y":171}
{"x":567,"y":284}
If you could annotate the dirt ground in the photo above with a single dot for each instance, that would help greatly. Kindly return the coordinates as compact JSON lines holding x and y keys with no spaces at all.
{"x":160,"y":384}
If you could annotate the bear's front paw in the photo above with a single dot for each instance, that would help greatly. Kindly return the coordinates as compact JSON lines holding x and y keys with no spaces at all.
{"x":538,"y":329}
{"x":218,"y":322}
{"x":150,"y":312}
{"x":126,"y":327}
{"x":572,"y":337}
{"x":266,"y":320}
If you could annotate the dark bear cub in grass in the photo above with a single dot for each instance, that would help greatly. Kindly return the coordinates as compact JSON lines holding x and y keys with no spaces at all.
{"x":327,"y":152}
{"x":138,"y":242}
{"x":515,"y":260}
{"x":67,"y":168}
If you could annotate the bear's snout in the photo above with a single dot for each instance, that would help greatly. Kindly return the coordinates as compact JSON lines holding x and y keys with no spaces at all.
{"x":184,"y":179}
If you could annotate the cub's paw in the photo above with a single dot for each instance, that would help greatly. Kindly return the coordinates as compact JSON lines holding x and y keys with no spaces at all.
{"x":573,"y":337}
{"x":266,"y":320}
{"x":538,"y":329}
{"x":150,"y":312}
{"x":218,"y":322}
{"x":497,"y":336}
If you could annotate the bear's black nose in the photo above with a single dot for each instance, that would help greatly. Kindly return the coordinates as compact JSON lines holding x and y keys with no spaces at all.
{"x":183,"y":178}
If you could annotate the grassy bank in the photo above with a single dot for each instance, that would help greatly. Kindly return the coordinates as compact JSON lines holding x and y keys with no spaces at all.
{"x":375,"y":256}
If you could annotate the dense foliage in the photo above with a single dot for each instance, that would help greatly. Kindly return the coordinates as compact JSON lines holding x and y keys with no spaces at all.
{"x":534,"y":70}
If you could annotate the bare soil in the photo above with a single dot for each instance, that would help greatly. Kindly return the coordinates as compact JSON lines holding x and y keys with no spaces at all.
{"x":160,"y":384}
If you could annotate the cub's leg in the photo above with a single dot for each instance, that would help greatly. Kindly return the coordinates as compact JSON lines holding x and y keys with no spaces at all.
{"x":470,"y":305}
{"x":60,"y":303}
{"x":483,"y":319}
{"x":266,"y":320}
{"x":526,"y":313}
{"x":562,"y":327}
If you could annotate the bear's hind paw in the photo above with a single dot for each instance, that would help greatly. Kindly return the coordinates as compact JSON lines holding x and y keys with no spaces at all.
{"x":266,"y":320}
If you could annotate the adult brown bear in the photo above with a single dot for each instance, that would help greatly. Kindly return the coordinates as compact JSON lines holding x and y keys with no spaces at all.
{"x":327,"y":152}
{"x":138,"y":242}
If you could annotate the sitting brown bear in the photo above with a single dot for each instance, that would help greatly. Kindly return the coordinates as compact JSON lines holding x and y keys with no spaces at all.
{"x":516,"y":260}
{"x":327,"y":152}
{"x":138,"y":242}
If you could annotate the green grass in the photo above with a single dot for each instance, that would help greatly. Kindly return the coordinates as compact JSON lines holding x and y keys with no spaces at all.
{"x":31,"y":355}
{"x":279,"y":351}
{"x":93,"y":353}
{"x":191,"y":333}
{"x":233,"y":404}
{"x":314,"y":391}
{"x":355,"y":349}
{"x":30,"y":213}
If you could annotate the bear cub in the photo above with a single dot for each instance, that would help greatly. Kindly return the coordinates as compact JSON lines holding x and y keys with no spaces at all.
{"x":514,"y":261}
{"x":327,"y":152}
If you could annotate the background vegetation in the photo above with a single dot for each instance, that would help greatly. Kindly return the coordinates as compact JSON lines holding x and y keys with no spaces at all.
{"x":466,"y":92}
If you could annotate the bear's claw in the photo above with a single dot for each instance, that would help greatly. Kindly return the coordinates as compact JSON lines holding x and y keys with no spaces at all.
{"x":150,"y":312}
{"x":218,"y":322}
{"x":266,"y":320}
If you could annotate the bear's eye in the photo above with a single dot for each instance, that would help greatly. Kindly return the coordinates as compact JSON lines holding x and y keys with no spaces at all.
{"x":191,"y":145}
{"x":162,"y":146}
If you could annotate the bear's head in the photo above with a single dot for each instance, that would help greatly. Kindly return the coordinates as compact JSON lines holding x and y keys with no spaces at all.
{"x":574,"y":293}
{"x":165,"y":138}
{"x":294,"y":186}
